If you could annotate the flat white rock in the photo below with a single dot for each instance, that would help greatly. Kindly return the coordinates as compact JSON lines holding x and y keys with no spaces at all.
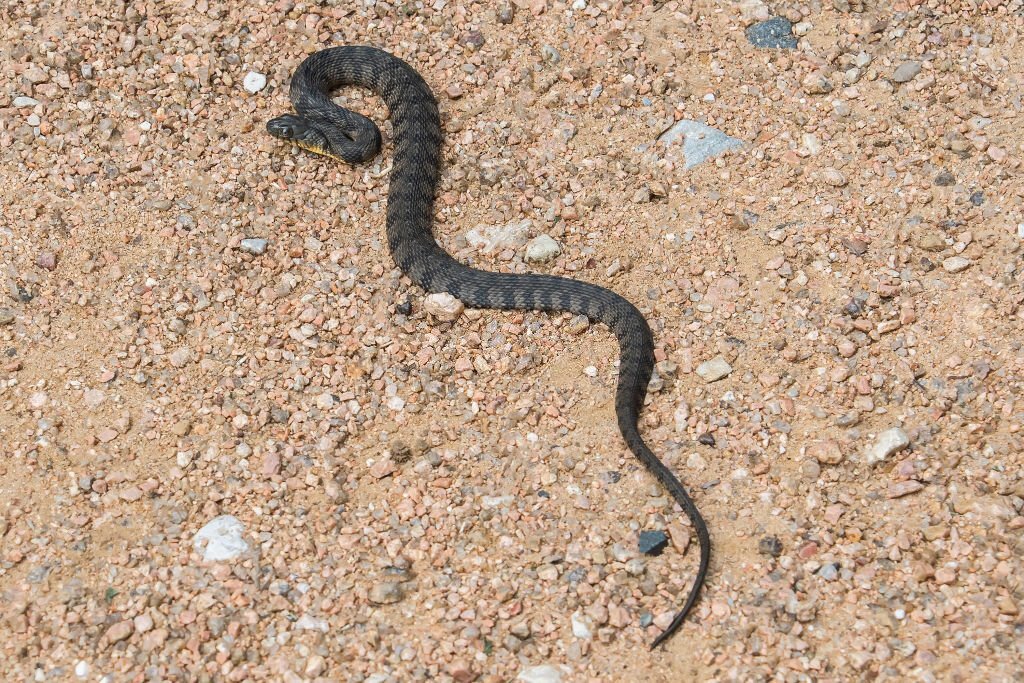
{"x":492,"y":238}
{"x":221,"y":539}
{"x":582,"y":626}
{"x":714,"y":369}
{"x":545,"y":673}
{"x":885,"y":444}
{"x":308,"y":623}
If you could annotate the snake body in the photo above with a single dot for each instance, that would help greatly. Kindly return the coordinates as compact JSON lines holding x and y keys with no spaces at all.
{"x":325,"y":128}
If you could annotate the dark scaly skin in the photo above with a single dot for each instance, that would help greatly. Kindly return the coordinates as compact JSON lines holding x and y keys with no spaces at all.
{"x":324,"y":128}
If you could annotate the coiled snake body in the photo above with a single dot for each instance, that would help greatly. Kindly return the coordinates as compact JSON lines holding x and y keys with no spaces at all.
{"x":325,"y":128}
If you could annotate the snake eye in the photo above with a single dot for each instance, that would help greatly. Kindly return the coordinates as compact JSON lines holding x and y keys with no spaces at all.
{"x":287,"y":127}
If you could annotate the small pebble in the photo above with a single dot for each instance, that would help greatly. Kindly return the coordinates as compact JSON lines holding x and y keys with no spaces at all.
{"x":827,"y":452}
{"x":770,"y":545}
{"x":386,"y":593}
{"x":46,"y":260}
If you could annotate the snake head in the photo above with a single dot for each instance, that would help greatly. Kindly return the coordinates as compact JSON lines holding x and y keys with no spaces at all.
{"x":298,"y":131}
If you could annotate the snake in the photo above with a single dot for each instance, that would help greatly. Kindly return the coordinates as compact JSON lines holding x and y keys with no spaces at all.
{"x":320,"y":126}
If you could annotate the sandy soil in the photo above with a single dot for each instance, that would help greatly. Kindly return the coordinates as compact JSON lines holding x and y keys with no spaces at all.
{"x":429,"y":500}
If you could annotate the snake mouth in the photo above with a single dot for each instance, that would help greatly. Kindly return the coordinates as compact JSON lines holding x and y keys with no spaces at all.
{"x":296,"y":130}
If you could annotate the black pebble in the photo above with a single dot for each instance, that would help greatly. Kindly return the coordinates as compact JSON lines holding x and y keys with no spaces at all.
{"x":978,"y":198}
{"x":707,"y":439}
{"x":770,"y":545}
{"x":405,"y":308}
{"x":543,"y":494}
{"x":652,"y":542}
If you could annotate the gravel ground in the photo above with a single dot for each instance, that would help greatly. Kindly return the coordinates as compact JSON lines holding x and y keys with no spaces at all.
{"x":202,"y":329}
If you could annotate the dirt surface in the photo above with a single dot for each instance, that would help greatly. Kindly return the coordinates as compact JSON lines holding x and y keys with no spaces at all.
{"x":430,"y":500}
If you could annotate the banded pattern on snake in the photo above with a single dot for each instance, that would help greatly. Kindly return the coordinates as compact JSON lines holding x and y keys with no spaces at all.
{"x":325,"y":128}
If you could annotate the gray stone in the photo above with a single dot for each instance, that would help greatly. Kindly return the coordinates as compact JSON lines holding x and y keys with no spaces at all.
{"x":700,"y":142}
{"x":652,"y":542}
{"x":386,"y":593}
{"x":221,"y":539}
{"x":776,"y":32}
{"x":906,"y":72}
{"x":829,"y":572}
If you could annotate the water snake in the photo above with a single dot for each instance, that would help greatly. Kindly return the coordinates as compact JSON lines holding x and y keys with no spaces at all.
{"x":323,"y":127}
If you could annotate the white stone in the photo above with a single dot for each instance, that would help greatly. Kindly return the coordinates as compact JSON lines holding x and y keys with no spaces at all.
{"x":956,"y":264}
{"x":24,"y":101}
{"x":700,"y":142}
{"x":221,"y":539}
{"x":181,"y":357}
{"x":443,"y":306}
{"x":497,"y":501}
{"x":94,"y":397}
{"x":886,"y":443}
{"x":545,"y":673}
{"x":714,"y":369}
{"x":254,"y":245}
{"x":1020,"y":230}
{"x":308,"y":623}
{"x":582,"y":626}
{"x":38,"y":400}
{"x":833,"y":177}
{"x":682,"y":416}
{"x":492,"y":238}
{"x":541,"y":249}
{"x":754,"y":10}
{"x":254,"y":82}
{"x":82,"y":669}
